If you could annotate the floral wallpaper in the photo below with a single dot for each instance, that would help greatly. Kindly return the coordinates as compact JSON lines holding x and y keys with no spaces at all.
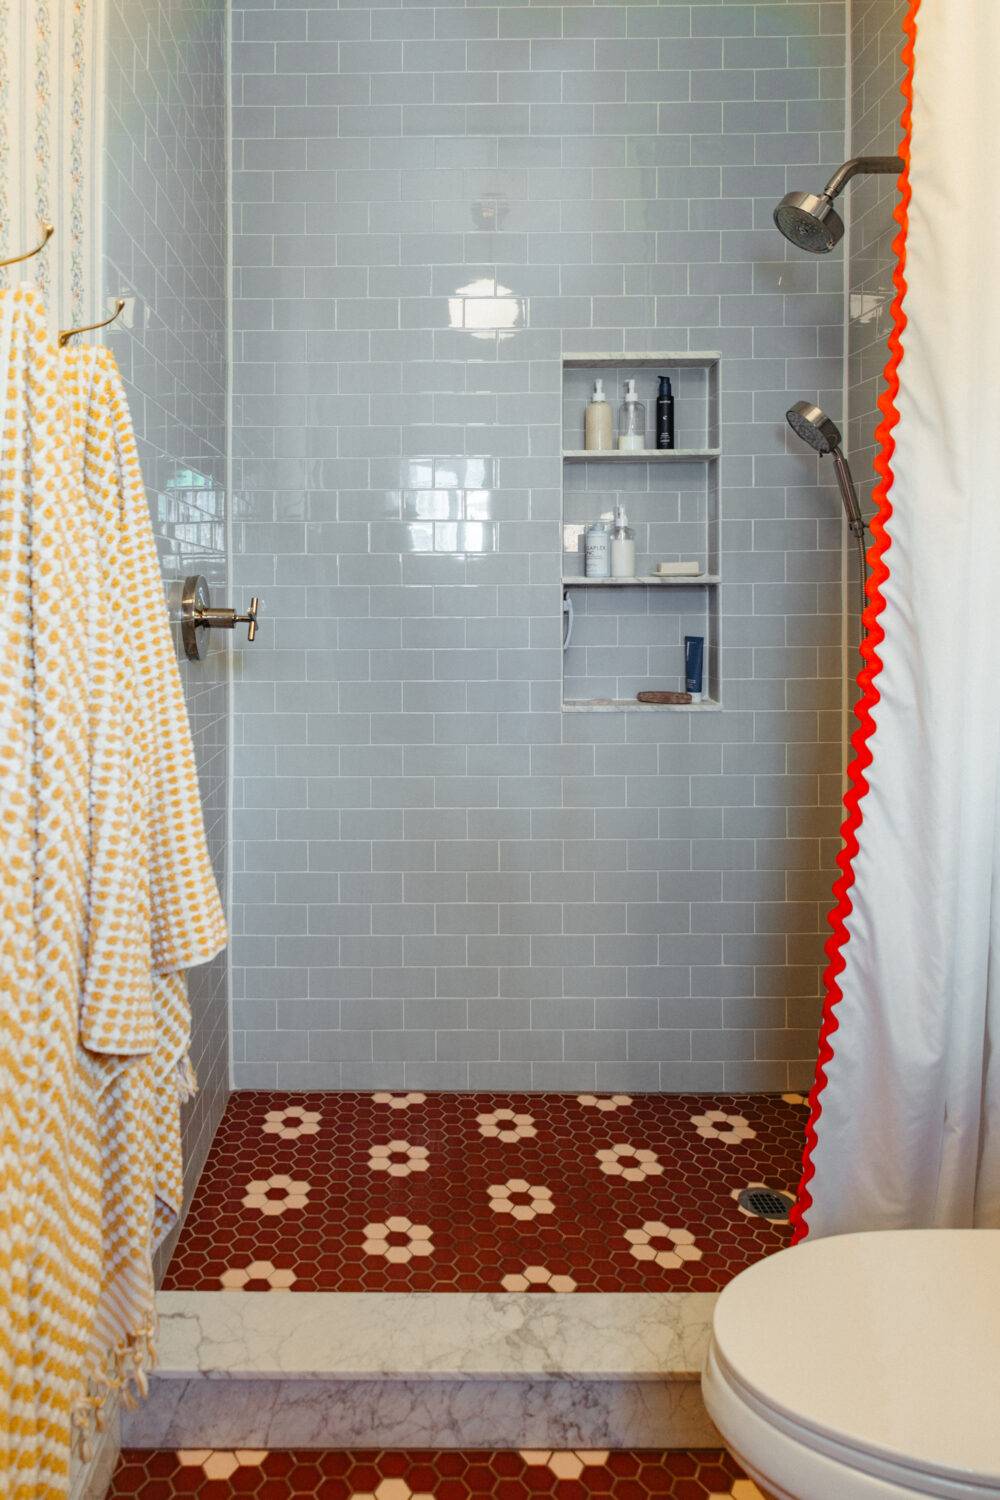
{"x":51,"y":128}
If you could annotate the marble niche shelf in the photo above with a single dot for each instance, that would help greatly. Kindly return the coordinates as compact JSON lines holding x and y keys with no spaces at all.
{"x":632,"y":706}
{"x":591,"y":485}
{"x":644,"y":580}
{"x":641,"y":455}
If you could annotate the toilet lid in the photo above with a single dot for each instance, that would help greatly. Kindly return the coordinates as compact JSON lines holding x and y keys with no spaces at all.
{"x":886,"y":1344}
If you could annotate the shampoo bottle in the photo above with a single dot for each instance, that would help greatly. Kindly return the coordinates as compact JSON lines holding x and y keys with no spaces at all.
{"x":631,"y":421}
{"x":597,"y":551}
{"x":665,"y":414}
{"x":597,"y":425}
{"x":622,"y":546}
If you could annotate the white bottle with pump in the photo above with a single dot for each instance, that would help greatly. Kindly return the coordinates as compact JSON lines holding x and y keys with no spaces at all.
{"x":622,"y":546}
{"x":631,"y":421}
{"x":598,"y":428}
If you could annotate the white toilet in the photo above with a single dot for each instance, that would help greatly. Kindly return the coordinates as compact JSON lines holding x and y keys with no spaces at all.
{"x":864,"y":1367}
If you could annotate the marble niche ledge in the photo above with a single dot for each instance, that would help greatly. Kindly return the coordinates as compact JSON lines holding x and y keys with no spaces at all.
{"x":445,"y":1369}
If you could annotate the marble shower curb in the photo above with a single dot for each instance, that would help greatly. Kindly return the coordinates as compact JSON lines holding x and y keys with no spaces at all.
{"x":427,"y":1369}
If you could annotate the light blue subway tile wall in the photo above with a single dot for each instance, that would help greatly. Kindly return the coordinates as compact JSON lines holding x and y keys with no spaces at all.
{"x":442,"y":879}
{"x":165,"y":227}
{"x":876,"y":106}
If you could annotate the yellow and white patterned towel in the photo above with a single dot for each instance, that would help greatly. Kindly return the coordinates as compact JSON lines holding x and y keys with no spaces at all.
{"x":49,"y":1219}
{"x":116,"y":1001}
{"x":106,"y":895}
{"x":117,"y":1022}
{"x":134,"y":1021}
{"x":189,"y":926}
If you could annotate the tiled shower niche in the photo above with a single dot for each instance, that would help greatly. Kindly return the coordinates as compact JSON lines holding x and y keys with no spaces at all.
{"x":628,"y":636}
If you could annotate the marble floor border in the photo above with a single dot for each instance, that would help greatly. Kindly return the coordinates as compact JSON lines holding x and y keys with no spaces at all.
{"x":422,"y":1414}
{"x":339,"y":1369}
{"x":434,"y":1335}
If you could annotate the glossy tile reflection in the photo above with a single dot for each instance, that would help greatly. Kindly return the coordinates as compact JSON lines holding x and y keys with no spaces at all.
{"x":443,"y":880}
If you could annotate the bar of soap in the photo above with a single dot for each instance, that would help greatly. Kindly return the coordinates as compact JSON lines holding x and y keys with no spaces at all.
{"x":678,"y":569}
{"x":663,"y":697}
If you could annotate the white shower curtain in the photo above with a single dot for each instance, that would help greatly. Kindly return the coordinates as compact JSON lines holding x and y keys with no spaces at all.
{"x":905,"y":1123}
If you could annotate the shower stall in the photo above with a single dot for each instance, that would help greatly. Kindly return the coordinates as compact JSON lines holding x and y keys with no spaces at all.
{"x":521,"y":966}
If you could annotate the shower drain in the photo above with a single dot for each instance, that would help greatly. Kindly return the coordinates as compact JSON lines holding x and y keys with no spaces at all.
{"x":766,"y":1203}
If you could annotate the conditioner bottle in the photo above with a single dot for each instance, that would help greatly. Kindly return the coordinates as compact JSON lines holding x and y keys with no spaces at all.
{"x":598,"y":428}
{"x":665,"y":414}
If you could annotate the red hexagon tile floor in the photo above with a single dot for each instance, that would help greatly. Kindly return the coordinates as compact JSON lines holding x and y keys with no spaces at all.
{"x":471,"y":1475}
{"x":486,"y":1192}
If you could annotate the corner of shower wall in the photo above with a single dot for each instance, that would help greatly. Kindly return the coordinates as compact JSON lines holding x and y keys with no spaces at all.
{"x":875,"y":105}
{"x":165,"y":215}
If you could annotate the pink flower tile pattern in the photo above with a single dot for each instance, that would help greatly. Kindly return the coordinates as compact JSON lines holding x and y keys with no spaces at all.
{"x":631,"y":1162}
{"x":716,"y":1125}
{"x":398,"y":1158}
{"x":290,"y":1123}
{"x":275,"y":1195}
{"x":667,"y":1248}
{"x":537,"y":1279}
{"x":261,"y":1272}
{"x":522,"y":1200}
{"x":594,"y":1198}
{"x":398,"y":1240}
{"x":506,"y":1125}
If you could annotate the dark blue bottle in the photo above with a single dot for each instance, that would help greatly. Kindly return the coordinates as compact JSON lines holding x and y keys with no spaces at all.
{"x":665,"y":414}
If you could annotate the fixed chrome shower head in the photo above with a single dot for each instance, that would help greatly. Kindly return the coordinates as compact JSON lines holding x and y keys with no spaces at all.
{"x":813,"y":426}
{"x":810,"y":220}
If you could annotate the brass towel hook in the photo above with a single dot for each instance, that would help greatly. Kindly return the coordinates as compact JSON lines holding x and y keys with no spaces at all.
{"x":48,"y":230}
{"x":69,"y":333}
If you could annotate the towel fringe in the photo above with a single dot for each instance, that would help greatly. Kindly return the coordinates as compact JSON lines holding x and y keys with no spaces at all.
{"x":125,"y":1375}
{"x":187,"y":1079}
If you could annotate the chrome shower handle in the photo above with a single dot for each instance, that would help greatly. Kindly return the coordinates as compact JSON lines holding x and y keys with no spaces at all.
{"x":249,"y":619}
{"x":198,"y":613}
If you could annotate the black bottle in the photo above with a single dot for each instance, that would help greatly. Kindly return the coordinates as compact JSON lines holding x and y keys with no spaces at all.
{"x":665,"y":414}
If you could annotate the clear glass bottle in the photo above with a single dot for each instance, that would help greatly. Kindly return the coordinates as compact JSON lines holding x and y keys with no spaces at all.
{"x":631,"y":421}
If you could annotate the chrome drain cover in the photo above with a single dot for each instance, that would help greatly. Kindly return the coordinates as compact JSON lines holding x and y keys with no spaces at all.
{"x":766,"y":1203}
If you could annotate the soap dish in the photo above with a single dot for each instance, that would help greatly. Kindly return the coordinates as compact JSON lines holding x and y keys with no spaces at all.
{"x":678,"y":570}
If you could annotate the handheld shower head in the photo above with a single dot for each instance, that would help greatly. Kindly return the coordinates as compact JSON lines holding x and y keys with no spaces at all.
{"x":810,"y":220}
{"x":813,"y":426}
{"x":821,"y":432}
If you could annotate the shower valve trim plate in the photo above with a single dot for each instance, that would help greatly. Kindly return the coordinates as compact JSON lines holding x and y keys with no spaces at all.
{"x":197,"y":614}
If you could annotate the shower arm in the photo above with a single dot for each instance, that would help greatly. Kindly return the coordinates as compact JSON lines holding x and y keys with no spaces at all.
{"x":859,"y":164}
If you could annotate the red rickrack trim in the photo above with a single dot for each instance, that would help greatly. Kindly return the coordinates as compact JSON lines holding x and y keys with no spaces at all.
{"x":872,"y":662}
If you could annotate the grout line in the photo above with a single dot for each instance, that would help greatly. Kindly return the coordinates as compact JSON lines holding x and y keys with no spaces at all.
{"x":230,"y":683}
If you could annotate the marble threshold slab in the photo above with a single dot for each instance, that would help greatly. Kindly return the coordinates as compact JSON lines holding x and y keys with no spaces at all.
{"x":427,"y":1369}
